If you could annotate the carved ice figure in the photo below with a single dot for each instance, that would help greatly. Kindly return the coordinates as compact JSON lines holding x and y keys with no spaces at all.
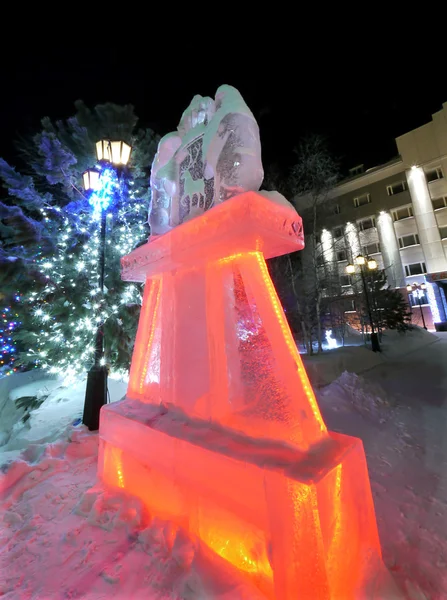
{"x":214,"y":155}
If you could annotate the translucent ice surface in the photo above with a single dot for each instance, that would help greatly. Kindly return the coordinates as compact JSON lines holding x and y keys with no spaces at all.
{"x":214,"y":155}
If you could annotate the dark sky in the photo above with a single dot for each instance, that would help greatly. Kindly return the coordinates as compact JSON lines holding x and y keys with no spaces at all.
{"x":360,"y":109}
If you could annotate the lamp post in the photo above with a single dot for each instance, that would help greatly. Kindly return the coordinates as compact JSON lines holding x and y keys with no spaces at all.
{"x":371,"y":265}
{"x":417,"y":289}
{"x":99,"y":185}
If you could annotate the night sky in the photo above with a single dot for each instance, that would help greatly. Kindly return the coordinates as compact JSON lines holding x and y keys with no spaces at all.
{"x":360,"y":110}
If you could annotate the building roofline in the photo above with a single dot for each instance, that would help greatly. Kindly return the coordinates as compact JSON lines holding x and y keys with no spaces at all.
{"x":393,"y":161}
{"x":350,"y":184}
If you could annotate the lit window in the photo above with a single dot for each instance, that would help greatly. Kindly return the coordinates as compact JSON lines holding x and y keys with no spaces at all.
{"x":402,"y":213}
{"x":408,"y":240}
{"x":362,"y":200}
{"x":396,"y":188}
{"x":443,"y":233}
{"x":439,"y":202}
{"x":434,"y":174}
{"x":371,"y":249}
{"x":415,"y":269}
{"x":368,"y":223}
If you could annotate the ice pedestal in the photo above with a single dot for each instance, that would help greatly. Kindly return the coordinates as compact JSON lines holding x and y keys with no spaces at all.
{"x":220,"y":430}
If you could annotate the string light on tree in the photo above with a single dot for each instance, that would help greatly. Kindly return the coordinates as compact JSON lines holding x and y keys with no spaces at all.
{"x":8,"y":329}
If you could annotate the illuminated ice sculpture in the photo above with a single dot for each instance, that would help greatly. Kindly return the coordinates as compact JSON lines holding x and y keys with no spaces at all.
{"x":220,"y":431}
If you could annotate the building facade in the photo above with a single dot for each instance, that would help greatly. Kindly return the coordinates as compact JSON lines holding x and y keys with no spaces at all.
{"x":396,"y":213}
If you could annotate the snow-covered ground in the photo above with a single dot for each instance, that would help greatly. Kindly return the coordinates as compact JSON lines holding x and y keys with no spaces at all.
{"x":61,"y":537}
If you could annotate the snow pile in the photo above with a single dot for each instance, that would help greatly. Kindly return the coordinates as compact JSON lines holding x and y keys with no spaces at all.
{"x":52,"y":420}
{"x":395,"y":344}
{"x":324,"y":368}
{"x":351,"y":392}
{"x":62,"y":538}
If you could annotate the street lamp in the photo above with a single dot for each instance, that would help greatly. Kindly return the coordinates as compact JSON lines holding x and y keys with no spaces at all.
{"x":115,"y":152}
{"x":99,"y":184}
{"x":417,"y":289}
{"x":91,"y":179}
{"x":366,"y":263}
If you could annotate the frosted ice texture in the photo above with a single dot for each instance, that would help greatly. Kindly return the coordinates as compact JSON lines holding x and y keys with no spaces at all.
{"x":214,"y":155}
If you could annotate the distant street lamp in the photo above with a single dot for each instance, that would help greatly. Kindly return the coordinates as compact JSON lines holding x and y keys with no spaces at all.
{"x":418,"y":289}
{"x":365,"y":263}
{"x":99,"y":184}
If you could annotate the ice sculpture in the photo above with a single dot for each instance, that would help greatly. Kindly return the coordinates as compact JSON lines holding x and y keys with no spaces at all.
{"x":214,"y":155}
{"x":220,"y":430}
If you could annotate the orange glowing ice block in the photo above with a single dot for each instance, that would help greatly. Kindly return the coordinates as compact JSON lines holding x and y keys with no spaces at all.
{"x":220,"y":430}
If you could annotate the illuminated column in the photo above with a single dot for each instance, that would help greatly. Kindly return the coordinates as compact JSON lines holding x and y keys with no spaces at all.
{"x":390,"y":250}
{"x":428,"y":231}
{"x":328,"y":247}
{"x":327,"y":242}
{"x":352,"y":235}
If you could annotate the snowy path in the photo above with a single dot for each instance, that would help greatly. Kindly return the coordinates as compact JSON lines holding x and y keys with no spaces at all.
{"x":59,"y":540}
{"x":401,"y":415}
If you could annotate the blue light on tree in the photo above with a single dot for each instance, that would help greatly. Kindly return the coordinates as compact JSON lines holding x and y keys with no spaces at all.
{"x":8,"y":349}
{"x":102,"y":196}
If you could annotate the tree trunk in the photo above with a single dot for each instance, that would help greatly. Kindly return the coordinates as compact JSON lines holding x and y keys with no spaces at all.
{"x":317,"y":282}
{"x":317,"y":309}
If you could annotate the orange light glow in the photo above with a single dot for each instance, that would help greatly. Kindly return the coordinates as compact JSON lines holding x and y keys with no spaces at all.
{"x":239,"y":454}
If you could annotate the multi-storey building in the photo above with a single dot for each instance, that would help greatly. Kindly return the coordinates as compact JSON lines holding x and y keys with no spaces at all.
{"x":397,"y":214}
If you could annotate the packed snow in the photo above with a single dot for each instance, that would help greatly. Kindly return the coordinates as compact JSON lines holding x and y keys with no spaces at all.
{"x":63,"y":536}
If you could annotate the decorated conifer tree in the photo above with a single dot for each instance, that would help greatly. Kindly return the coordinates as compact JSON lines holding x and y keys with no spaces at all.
{"x":50,"y":241}
{"x":391,"y":309}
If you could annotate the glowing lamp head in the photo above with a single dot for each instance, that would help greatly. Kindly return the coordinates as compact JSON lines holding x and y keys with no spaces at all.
{"x":360,"y":260}
{"x":372,"y":264}
{"x":409,"y":288}
{"x":90,"y":179}
{"x":115,"y":152}
{"x":350,"y":269}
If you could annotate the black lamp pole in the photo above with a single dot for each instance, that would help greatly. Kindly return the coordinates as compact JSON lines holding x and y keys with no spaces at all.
{"x":96,"y":391}
{"x":372,"y":265}
{"x":116,"y":153}
{"x":415,"y":287}
{"x":422,"y":312}
{"x":375,"y":346}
